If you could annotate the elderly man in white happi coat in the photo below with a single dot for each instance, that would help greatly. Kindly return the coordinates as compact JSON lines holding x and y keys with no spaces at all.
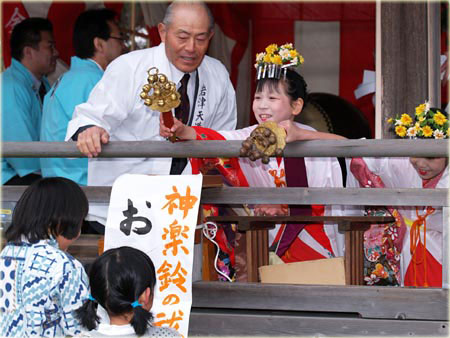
{"x":115,"y":111}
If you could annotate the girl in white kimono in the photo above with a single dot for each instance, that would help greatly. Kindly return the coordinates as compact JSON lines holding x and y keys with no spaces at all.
{"x":416,"y":246}
{"x":278,"y":97}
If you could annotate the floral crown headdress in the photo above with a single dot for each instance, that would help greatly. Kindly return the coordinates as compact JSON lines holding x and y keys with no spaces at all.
{"x":428,"y":123}
{"x":275,"y":61}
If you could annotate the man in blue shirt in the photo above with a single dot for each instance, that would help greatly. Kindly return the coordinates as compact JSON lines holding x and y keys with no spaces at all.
{"x":97,"y":41}
{"x":24,"y":85}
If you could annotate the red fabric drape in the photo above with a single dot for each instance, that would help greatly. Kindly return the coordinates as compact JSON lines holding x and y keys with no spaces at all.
{"x":61,"y":14}
{"x":12,"y":14}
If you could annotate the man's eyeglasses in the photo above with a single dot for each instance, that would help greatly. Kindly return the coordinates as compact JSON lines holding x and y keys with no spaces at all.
{"x":121,"y":38}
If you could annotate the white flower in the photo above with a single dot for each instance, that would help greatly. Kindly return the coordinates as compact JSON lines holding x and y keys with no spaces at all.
{"x":260,"y":57}
{"x":438,"y":134}
{"x":411,"y":132}
{"x":427,"y":106}
{"x":284,"y":53}
{"x":295,"y":60}
{"x":398,"y":122}
{"x":287,"y":45}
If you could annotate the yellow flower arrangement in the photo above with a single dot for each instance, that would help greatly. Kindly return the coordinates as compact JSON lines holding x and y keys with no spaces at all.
{"x":400,"y":131}
{"x":420,"y":108}
{"x":276,"y":59}
{"x":427,"y":131}
{"x":427,"y":123}
{"x":406,"y":119}
{"x":266,"y":58}
{"x":439,"y":118}
{"x":270,"y":49}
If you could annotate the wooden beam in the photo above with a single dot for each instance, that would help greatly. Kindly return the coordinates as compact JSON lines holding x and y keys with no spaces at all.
{"x":296,"y":196}
{"x":367,"y":301}
{"x":349,"y":223}
{"x":315,"y":148}
{"x":207,"y":323}
{"x":404,"y":58}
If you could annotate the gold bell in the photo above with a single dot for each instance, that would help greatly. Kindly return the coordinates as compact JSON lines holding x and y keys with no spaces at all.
{"x":146,"y":88}
{"x":173,"y":96}
{"x":162,"y":79}
{"x":157,"y":92}
{"x":167,"y":86}
{"x":148,"y":102}
{"x":161,"y":103}
{"x":151,"y":79}
{"x":143,"y":95}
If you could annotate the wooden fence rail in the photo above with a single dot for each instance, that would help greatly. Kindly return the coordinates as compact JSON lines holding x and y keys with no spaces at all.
{"x":317,"y":148}
{"x":277,"y":310}
{"x":298,"y":196}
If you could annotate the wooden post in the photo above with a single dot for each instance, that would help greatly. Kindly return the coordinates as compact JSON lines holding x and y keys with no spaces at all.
{"x":404,"y":59}
{"x":445,"y":252}
{"x":133,"y":26}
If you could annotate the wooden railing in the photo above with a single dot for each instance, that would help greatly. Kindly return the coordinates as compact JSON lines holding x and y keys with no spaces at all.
{"x":265,"y":309}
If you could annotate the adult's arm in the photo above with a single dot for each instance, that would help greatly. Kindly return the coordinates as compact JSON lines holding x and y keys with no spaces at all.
{"x":108,"y":106}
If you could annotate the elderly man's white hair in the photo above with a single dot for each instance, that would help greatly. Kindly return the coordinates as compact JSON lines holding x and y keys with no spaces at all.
{"x":169,"y":12}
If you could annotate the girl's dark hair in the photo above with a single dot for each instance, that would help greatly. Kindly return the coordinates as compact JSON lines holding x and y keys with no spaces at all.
{"x":295,"y":85}
{"x":117,"y":278}
{"x":53,"y":206}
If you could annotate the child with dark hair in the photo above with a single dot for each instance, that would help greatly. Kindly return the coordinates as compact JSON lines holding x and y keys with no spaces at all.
{"x":408,"y":252}
{"x":41,"y":285}
{"x":122,"y":281}
{"x":280,"y":96}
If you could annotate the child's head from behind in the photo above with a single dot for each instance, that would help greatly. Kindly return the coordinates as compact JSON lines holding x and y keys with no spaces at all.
{"x":122,"y":280}
{"x":51,"y":207}
{"x":279,"y":99}
{"x":429,"y":167}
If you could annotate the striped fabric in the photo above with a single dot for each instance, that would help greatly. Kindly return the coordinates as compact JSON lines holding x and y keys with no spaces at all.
{"x":40,"y":287}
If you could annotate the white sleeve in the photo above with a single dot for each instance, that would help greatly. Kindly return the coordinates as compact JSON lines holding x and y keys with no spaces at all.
{"x":109,"y":102}
{"x":225,"y":118}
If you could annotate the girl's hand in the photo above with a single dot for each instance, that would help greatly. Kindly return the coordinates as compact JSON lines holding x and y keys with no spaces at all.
{"x":271,"y":210}
{"x":177,"y":127}
{"x":293,"y":133}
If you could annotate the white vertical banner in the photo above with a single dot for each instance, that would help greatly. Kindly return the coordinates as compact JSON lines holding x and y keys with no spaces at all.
{"x":158,"y":215}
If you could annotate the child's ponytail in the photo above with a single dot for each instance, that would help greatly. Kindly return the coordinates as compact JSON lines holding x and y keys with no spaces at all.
{"x":141,"y":319}
{"x":87,"y":314}
{"x":117,"y":279}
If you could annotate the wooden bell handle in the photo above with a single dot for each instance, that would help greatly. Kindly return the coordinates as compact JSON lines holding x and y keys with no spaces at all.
{"x":168,"y":122}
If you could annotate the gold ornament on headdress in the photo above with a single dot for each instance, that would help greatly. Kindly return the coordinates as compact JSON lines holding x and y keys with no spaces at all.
{"x":265,"y":140}
{"x":159,"y":93}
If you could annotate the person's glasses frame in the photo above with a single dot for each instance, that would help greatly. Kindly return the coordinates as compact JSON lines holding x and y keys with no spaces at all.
{"x":121,"y":38}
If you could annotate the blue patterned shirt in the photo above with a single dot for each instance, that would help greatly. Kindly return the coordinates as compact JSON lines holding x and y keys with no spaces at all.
{"x":40,"y":287}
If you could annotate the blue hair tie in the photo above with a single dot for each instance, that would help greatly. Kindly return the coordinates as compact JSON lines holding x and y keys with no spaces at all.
{"x":136,"y":304}
{"x":92,"y":298}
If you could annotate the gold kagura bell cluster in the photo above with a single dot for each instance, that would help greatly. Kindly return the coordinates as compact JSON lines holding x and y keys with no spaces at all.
{"x":159,"y":93}
{"x":266,"y":140}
